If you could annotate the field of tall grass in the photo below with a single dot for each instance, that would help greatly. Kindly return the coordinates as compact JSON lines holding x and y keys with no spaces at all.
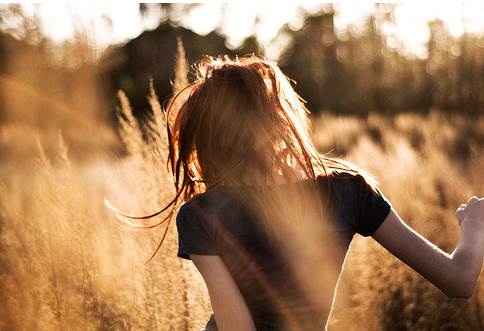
{"x":66,"y":264}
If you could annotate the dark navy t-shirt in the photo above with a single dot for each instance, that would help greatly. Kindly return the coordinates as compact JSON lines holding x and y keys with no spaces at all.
{"x":215,"y":222}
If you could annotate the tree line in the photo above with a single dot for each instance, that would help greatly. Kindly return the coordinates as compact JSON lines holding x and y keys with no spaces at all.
{"x":362,"y":73}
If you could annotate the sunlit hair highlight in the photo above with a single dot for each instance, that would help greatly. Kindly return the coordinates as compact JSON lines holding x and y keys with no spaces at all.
{"x":239,"y":122}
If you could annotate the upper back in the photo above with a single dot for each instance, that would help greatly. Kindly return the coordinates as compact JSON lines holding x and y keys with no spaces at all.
{"x":226,"y":222}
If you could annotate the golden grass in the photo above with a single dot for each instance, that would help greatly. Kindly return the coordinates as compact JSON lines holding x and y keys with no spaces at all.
{"x":427,"y":166}
{"x":66,"y":265}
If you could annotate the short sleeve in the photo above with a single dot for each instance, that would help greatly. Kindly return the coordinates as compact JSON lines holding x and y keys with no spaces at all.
{"x":373,"y":208}
{"x":194,"y":234}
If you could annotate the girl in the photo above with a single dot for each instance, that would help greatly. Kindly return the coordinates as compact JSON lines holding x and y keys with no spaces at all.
{"x":267,"y":220}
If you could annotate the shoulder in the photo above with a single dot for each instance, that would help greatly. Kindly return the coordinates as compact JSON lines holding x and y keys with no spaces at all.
{"x":191,"y":210}
{"x":370,"y":206}
{"x":196,"y":216}
{"x":195,"y":231}
{"x":206,"y":201}
{"x":354,"y":181}
{"x":202,"y":207}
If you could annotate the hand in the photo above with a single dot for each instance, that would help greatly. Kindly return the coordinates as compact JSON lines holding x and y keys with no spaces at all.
{"x":473,"y":211}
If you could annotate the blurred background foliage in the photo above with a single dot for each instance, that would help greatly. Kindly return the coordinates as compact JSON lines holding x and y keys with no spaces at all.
{"x":349,"y":71}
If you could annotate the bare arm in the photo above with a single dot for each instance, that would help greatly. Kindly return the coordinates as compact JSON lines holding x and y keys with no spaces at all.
{"x":229,"y":307}
{"x":454,"y":274}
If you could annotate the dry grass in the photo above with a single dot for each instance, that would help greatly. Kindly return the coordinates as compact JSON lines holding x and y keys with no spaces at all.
{"x":65,"y":264}
{"x":427,"y":166}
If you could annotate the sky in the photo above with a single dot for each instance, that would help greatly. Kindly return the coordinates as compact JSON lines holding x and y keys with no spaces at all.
{"x":236,"y":19}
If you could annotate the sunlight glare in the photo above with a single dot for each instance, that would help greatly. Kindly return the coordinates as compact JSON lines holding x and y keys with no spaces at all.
{"x":109,"y":23}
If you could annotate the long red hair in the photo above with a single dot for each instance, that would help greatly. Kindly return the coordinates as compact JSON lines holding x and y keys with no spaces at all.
{"x":239,"y":122}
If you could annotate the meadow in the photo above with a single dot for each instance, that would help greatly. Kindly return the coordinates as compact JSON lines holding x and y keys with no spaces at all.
{"x":66,"y":264}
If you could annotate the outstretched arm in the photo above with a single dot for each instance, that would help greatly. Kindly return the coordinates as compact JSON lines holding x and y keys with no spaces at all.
{"x":454,"y":274}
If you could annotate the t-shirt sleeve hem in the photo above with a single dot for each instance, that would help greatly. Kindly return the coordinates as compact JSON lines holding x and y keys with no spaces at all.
{"x":377,"y":221}
{"x":184,"y":254}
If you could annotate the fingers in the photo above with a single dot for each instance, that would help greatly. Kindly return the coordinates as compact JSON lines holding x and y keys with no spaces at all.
{"x":473,"y":200}
{"x":460,"y":215}
{"x":473,"y":209}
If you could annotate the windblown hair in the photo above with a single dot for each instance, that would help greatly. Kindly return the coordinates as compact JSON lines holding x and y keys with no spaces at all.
{"x":241,"y":117}
{"x":239,"y":122}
